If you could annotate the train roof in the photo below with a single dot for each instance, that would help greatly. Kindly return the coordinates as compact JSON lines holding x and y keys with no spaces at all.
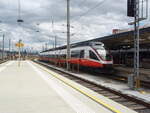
{"x":64,"y":47}
{"x":117,"y":41}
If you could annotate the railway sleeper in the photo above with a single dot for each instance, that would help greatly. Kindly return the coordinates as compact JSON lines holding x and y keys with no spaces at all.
{"x":143,"y":110}
{"x":104,"y":92}
{"x":71,"y":78}
{"x":128,"y":103}
{"x":120,"y":99}
{"x":98,"y":89}
{"x":114,"y":97}
{"x":137,"y":107}
{"x":88,"y":85}
{"x":109,"y":95}
{"x":77,"y":80}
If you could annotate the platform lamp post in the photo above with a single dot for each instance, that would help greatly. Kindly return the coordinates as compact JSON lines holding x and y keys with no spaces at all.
{"x":9,"y":48}
{"x":19,"y":23}
{"x":136,"y":9}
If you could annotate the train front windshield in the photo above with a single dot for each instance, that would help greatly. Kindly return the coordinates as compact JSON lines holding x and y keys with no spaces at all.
{"x":104,"y":54}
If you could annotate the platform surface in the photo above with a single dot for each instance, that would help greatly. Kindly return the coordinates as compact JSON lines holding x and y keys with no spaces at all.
{"x":112,"y":84}
{"x":127,"y":71}
{"x":29,"y":89}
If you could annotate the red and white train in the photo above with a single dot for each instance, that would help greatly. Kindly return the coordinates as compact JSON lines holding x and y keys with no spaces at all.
{"x":94,"y":55}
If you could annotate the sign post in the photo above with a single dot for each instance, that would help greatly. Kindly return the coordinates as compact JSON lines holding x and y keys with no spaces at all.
{"x":19,"y":45}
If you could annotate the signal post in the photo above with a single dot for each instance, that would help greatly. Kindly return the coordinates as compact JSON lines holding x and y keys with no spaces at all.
{"x":139,"y":10}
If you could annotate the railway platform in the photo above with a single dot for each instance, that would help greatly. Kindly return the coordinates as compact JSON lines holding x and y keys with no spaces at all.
{"x":118,"y":86}
{"x":31,"y":88}
{"x":124,"y":70}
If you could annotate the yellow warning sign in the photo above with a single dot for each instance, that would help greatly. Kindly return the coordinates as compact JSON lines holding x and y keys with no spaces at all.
{"x":19,"y":44}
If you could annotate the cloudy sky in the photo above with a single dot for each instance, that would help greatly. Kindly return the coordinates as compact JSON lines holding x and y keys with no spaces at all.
{"x":89,"y":19}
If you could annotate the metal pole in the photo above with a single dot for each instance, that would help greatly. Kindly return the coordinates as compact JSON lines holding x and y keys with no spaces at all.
{"x":136,"y":46}
{"x":19,"y":53}
{"x":142,"y":8}
{"x":55,"y":42}
{"x":55,"y":50}
{"x":147,"y":9}
{"x":9,"y":47}
{"x":3,"y":47}
{"x":45,"y":46}
{"x":19,"y":57}
{"x":55,"y":45}
{"x":68,"y":34}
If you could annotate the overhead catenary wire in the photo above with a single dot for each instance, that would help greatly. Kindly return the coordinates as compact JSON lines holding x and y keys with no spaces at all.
{"x":89,"y":10}
{"x":82,"y":2}
{"x":19,"y":9}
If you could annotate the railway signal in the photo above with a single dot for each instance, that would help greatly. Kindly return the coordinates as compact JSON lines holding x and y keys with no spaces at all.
{"x":130,"y":8}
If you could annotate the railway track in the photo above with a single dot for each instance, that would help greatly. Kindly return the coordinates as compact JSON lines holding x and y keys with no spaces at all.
{"x":117,"y":77}
{"x":133,"y":103}
{"x":144,"y":84}
{"x":3,"y":61}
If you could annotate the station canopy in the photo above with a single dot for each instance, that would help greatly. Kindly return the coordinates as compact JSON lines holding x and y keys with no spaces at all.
{"x":120,"y":40}
{"x":123,"y":40}
{"x":126,"y":39}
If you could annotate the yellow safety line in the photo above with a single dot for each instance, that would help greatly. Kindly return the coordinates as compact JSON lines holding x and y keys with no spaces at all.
{"x":83,"y":92}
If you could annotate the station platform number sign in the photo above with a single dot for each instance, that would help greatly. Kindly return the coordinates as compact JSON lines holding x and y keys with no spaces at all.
{"x":19,"y":44}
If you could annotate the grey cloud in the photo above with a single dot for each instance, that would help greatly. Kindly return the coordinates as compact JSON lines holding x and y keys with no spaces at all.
{"x":96,"y":23}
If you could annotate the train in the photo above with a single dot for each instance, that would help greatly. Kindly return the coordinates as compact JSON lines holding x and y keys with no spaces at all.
{"x":93,"y":55}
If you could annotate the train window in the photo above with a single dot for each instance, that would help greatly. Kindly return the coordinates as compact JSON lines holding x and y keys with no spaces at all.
{"x":93,"y":55}
{"x":82,"y":54}
{"x":75,"y":54}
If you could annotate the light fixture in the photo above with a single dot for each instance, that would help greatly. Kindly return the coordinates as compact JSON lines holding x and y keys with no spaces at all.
{"x":20,"y":21}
